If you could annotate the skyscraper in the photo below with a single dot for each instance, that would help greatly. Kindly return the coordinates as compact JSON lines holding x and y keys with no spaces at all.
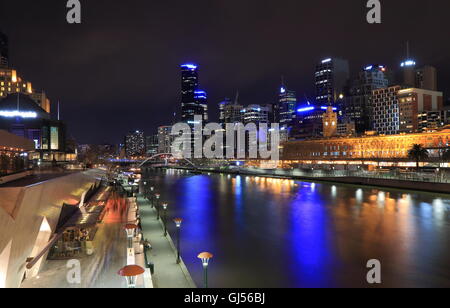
{"x":135,"y":144}
{"x":193,"y":100}
{"x":331,"y":76}
{"x":151,"y":145}
{"x":4,"y":52}
{"x":165,"y":139}
{"x":286,"y":107}
{"x":356,"y":106}
{"x":230,"y":112}
{"x":426,"y":78}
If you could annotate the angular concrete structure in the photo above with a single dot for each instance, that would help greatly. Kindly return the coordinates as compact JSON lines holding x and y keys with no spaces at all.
{"x":29,"y":216}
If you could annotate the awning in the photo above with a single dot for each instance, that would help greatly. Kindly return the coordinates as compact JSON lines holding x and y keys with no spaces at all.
{"x":84,"y":220}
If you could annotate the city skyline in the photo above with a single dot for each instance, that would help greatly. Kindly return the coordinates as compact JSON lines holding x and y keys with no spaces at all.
{"x":224,"y":144}
{"x":148,"y":100}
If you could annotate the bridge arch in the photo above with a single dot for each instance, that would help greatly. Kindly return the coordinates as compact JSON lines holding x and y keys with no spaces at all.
{"x":166,"y":154}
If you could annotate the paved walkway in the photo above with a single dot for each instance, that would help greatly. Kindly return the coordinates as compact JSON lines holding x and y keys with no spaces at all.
{"x":100,"y":269}
{"x":168,"y":274}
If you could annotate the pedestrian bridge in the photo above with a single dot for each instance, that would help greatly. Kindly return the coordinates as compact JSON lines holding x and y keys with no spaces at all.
{"x":165,"y":155}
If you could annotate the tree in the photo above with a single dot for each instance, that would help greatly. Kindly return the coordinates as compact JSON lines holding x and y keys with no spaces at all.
{"x":418,"y":153}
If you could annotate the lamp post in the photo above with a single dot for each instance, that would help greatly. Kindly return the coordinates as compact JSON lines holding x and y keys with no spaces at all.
{"x":157,"y":205}
{"x":151,"y":193}
{"x":130,"y":273}
{"x":178,"y":222}
{"x":164,"y":205}
{"x":130,"y":229}
{"x":205,"y":257}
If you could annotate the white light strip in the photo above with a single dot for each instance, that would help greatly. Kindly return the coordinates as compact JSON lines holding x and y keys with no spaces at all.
{"x":20,"y":114}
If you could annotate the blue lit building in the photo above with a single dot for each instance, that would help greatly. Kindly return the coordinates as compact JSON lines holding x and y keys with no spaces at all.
{"x":308,"y":122}
{"x":193,"y":100}
{"x":286,"y":107}
{"x":22,"y":116}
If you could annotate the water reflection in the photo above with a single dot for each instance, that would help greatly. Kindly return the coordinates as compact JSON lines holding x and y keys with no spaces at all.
{"x":268,"y":232}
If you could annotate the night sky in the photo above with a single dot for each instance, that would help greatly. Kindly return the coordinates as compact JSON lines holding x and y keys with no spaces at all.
{"x":119,"y":70}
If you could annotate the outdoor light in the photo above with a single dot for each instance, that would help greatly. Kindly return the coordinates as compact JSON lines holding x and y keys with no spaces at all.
{"x":157,"y":205}
{"x":152,"y":196}
{"x":165,"y":204}
{"x":205,"y":257}
{"x":130,"y":272}
{"x":130,"y":229}
{"x":178,"y":222}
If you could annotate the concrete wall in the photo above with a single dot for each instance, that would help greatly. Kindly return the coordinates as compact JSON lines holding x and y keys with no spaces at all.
{"x":22,"y":211}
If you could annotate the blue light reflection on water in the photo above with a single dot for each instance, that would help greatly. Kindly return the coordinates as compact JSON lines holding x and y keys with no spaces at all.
{"x":272,"y":232}
{"x":308,"y":239}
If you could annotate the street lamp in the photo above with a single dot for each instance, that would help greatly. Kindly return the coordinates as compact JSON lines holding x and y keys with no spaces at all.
{"x":164,"y":205}
{"x":205,"y":257}
{"x":151,"y":193}
{"x":130,"y":229}
{"x":130,"y":272}
{"x":157,"y":205}
{"x":178,"y":222}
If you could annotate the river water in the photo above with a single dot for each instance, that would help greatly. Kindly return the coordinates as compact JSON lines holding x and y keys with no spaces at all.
{"x":267,"y":232}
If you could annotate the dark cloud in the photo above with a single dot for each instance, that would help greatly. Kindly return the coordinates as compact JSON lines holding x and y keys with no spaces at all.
{"x":118,"y":70}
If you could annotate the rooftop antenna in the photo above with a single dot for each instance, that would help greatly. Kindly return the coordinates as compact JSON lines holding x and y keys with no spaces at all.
{"x":407,"y":49}
{"x":282,"y":81}
{"x":307,"y":100}
{"x":236,"y":99}
{"x":58,"y":110}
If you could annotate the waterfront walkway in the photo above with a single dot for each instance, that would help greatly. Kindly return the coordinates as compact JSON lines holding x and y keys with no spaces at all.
{"x":168,"y":274}
{"x":100,"y":269}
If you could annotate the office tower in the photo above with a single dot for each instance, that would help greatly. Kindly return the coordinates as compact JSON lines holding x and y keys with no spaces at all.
{"x":255,"y":114}
{"x":4,"y":50}
{"x":193,"y":100}
{"x":165,"y":139}
{"x":286,"y":107}
{"x":308,"y":122}
{"x":230,"y":112}
{"x":329,"y":121}
{"x":151,"y":145}
{"x":408,"y":69}
{"x":414,"y":102}
{"x":398,"y":110}
{"x":135,"y":144}
{"x":201,"y":101}
{"x":356,"y":106}
{"x":386,"y":117}
{"x":331,"y":77}
{"x":433,"y":120}
{"x":426,"y":78}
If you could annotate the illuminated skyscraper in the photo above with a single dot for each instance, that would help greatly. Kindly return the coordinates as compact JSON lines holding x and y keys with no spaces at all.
{"x":330,"y":78}
{"x":230,"y":112}
{"x":135,"y":144}
{"x":193,"y":100}
{"x":286,"y":107}
{"x":356,"y":106}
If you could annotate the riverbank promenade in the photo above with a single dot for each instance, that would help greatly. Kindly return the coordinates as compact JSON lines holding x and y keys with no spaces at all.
{"x":167,"y":274}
